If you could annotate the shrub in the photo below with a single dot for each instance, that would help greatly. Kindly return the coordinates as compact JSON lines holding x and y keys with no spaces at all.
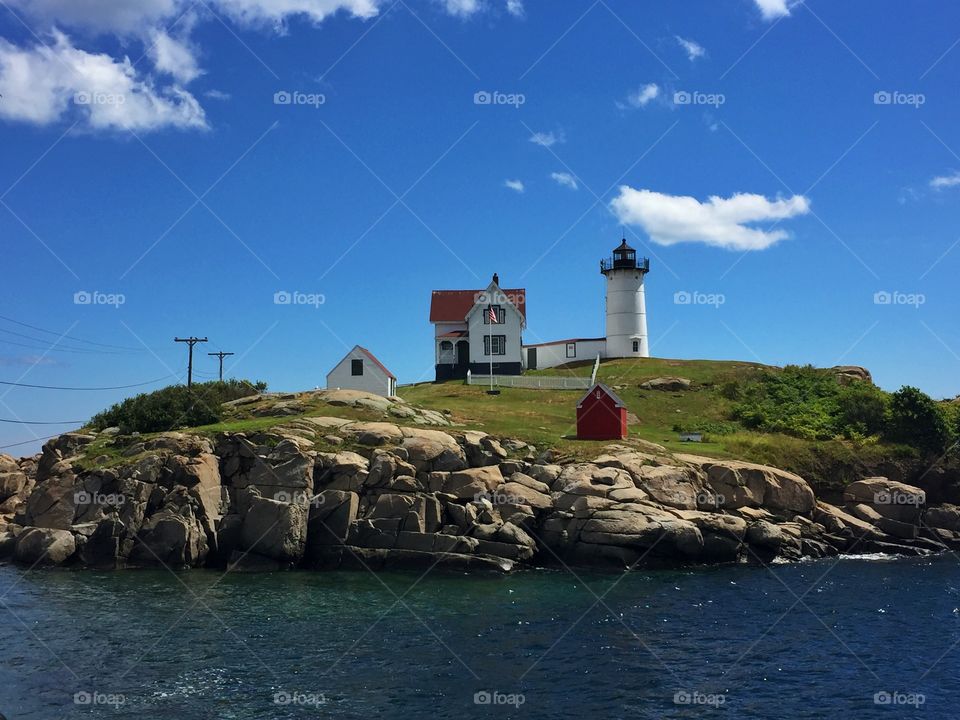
{"x":174,"y":406}
{"x":915,"y":419}
{"x":862,"y":410}
{"x":798,"y":401}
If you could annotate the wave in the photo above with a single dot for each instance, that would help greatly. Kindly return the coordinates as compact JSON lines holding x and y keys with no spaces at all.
{"x":871,"y":557}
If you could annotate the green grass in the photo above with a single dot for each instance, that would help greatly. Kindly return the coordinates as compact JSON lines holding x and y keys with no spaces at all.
{"x":547,"y":418}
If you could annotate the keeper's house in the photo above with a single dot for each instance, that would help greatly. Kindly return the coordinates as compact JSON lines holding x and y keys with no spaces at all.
{"x":474,"y":327}
{"x":360,"y":370}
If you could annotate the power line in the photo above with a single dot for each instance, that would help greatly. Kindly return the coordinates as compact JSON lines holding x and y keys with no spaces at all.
{"x":48,"y":348}
{"x":27,"y":442}
{"x":114,"y":387}
{"x":57,"y":343}
{"x":42,"y":422}
{"x":70,"y":337}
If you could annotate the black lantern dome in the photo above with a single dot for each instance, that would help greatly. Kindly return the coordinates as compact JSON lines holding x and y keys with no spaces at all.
{"x":625,"y":258}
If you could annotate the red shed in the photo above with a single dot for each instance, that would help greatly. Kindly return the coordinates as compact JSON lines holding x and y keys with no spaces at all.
{"x":601,"y":415}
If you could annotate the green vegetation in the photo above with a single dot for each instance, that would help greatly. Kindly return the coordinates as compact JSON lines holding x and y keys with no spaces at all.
{"x":809,"y":403}
{"x":175,"y":406}
{"x":830,"y":430}
{"x":917,"y":420}
{"x":798,"y":418}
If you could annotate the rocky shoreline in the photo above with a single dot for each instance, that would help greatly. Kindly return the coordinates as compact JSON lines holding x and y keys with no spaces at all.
{"x":402,"y":492}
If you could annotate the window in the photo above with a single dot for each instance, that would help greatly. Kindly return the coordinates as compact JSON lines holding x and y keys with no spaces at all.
{"x":499,"y":344}
{"x":356,"y":367}
{"x":571,"y":350}
{"x":446,"y":351}
{"x":636,"y":346}
{"x":501,"y":314}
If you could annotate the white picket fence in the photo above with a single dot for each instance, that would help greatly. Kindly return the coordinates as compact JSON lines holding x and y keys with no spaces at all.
{"x":538,"y":382}
{"x":535,"y":382}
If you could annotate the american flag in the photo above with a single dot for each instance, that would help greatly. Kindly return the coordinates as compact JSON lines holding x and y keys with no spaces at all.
{"x":493,"y":315}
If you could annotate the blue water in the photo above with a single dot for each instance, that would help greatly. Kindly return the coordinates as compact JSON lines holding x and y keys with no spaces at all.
{"x":812,"y":640}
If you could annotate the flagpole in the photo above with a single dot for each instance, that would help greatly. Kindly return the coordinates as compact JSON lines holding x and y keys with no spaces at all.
{"x":490,"y":341}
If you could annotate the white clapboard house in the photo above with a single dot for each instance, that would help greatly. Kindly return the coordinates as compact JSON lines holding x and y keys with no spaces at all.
{"x":473,"y":328}
{"x":466,"y":339}
{"x":360,"y":370}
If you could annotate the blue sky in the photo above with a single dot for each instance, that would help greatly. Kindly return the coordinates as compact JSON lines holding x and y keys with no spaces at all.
{"x":780,"y":163}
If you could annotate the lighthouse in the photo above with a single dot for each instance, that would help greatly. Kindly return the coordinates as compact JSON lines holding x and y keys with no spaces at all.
{"x":626,"y":305}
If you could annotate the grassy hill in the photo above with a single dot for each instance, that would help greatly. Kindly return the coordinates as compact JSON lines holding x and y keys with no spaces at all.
{"x":829,"y":428}
{"x":547,"y":417}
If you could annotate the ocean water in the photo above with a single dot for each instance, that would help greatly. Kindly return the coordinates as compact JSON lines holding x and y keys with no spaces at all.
{"x":854,"y":638}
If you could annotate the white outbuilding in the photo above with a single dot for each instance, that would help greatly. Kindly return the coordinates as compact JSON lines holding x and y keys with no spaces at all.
{"x":360,"y":370}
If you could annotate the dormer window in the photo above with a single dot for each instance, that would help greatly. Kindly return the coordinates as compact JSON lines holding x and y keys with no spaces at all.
{"x":499,"y":311}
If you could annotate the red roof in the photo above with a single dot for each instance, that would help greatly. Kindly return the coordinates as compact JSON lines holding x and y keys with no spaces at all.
{"x":373,"y":359}
{"x":453,"y":305}
{"x":613,"y":396}
{"x":455,"y":334}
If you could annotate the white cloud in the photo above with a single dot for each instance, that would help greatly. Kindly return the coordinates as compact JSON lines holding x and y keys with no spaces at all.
{"x":719,"y":222}
{"x":137,"y":17}
{"x":773,"y":9}
{"x":42,"y":84}
{"x":217,"y":94}
{"x":173,"y":56}
{"x":693,"y":49}
{"x":564,"y":179}
{"x":278,"y":11}
{"x":546,"y":139}
{"x":122,"y":17}
{"x":515,"y":8}
{"x":643,"y":96}
{"x":39,"y":83}
{"x":515,"y":185}
{"x":461,"y":8}
{"x":946,"y":181}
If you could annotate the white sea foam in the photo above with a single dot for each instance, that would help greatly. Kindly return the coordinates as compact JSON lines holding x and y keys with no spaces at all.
{"x":871,"y":557}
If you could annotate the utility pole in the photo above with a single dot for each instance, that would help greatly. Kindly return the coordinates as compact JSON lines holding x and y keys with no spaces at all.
{"x":220,"y":355}
{"x":191,"y":341}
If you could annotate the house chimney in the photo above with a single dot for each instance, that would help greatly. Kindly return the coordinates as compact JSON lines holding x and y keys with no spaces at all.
{"x":496,"y":280}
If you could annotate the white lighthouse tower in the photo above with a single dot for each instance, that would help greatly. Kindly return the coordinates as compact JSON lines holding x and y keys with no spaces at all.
{"x":626,"y":305}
